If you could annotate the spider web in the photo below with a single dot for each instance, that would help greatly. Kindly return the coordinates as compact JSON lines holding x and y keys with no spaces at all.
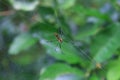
{"x":10,"y":12}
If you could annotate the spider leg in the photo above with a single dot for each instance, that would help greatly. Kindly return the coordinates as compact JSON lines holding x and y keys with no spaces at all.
{"x":60,"y":46}
{"x":50,"y":40}
{"x":67,"y":41}
{"x":57,"y":48}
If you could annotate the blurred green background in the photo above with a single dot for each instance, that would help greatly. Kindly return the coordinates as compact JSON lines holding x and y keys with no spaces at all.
{"x":59,"y":39}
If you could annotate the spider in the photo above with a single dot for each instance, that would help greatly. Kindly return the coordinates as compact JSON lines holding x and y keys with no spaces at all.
{"x":60,"y":40}
{"x":59,"y":37}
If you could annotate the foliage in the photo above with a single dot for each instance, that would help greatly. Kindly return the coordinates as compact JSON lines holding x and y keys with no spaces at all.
{"x":59,"y":40}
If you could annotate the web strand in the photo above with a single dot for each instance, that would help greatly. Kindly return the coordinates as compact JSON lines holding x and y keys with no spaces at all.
{"x":59,"y":24}
{"x":82,"y":51}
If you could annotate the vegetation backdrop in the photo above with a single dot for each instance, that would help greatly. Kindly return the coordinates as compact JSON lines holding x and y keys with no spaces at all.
{"x":59,"y":39}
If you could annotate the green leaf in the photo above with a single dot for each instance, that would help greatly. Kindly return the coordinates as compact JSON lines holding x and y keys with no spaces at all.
{"x":81,"y":10}
{"x":46,"y":14}
{"x":44,"y":30}
{"x":66,"y":4}
{"x":87,"y":32}
{"x":29,"y":56}
{"x":106,"y":43}
{"x":24,"y":5}
{"x":94,"y":77}
{"x":114,"y":71}
{"x":59,"y":70}
{"x":22,"y":42}
{"x":43,"y":27}
{"x":66,"y":53}
{"x":45,"y":10}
